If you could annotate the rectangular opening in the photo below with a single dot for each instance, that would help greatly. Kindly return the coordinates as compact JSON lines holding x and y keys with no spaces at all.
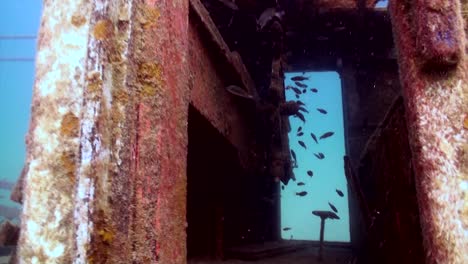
{"x":320,"y":180}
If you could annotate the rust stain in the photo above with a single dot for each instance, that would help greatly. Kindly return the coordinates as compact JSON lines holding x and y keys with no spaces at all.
{"x":68,"y":165}
{"x":102,"y":238}
{"x":78,"y":20}
{"x":70,"y":125}
{"x":103,"y":29}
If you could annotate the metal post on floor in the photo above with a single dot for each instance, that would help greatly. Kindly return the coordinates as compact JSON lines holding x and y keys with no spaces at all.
{"x":322,"y":231}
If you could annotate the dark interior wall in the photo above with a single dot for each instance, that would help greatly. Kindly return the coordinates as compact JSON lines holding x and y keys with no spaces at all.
{"x":225,"y":206}
{"x":368,"y":92}
{"x":388,"y":182}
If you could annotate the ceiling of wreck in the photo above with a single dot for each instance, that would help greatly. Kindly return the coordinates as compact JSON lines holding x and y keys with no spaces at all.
{"x":318,"y":34}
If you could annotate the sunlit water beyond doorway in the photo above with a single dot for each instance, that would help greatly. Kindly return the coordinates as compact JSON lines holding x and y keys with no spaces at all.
{"x":320,"y":180}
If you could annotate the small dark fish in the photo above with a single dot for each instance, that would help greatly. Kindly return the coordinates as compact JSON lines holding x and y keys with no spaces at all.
{"x":288,"y":87}
{"x":339,"y":192}
{"x":297,"y":96}
{"x":303,"y":109}
{"x":300,"y":85}
{"x":300,"y":116}
{"x":293,"y":154}
{"x":296,"y":90}
{"x":339,"y":28}
{"x":323,"y":111}
{"x":314,"y":90}
{"x":314,"y":137}
{"x":300,"y":102}
{"x":319,"y":155}
{"x":300,"y":184}
{"x":303,"y":193}
{"x":299,"y":129}
{"x":333,"y":207}
{"x":286,"y":229}
{"x":229,"y":4}
{"x":300,"y":134}
{"x":321,"y":38}
{"x":236,"y":90}
{"x":310,"y":173}
{"x":299,"y":78}
{"x":327,"y":134}
{"x":304,"y":91}
{"x":302,"y":144}
{"x":282,"y":187}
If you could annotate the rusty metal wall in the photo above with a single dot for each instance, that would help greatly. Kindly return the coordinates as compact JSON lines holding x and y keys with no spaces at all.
{"x":106,"y":149}
{"x":387,"y":179}
{"x":431,"y":47}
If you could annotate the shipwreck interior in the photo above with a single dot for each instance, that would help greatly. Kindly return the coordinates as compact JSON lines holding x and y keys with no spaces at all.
{"x":233,"y":208}
{"x":251,"y":104}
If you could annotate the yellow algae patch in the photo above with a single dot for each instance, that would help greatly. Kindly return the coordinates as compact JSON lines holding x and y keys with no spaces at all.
{"x":148,"y":17}
{"x":106,"y":235}
{"x":149,"y":77}
{"x":148,"y":90}
{"x":68,"y":164}
{"x":94,"y":82}
{"x":103,"y":29}
{"x":78,"y":20}
{"x":149,"y":72}
{"x":120,"y":95}
{"x":70,"y":125}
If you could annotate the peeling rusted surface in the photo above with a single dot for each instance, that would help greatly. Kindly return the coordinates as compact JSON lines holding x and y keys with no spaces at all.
{"x":209,"y":79}
{"x":208,"y":94}
{"x":160,"y":77}
{"x":232,"y":60}
{"x":436,"y":105}
{"x":53,"y":139}
{"x":438,"y":33}
{"x":106,"y":160}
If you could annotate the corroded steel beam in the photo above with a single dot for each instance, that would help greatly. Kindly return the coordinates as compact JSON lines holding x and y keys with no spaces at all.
{"x":213,"y":67}
{"x":106,"y":149}
{"x":433,"y":71}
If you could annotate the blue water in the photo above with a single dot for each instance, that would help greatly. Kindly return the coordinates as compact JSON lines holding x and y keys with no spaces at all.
{"x":328,"y":173}
{"x":18,"y":18}
{"x":381,"y":3}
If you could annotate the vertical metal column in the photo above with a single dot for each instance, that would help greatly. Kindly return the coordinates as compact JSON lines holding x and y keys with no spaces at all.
{"x":431,"y":44}
{"x":106,"y":149}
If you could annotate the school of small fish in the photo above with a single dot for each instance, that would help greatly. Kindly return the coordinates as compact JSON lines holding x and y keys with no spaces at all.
{"x":298,"y":91}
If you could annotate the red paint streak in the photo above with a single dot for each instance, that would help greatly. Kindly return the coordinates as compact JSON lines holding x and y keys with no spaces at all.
{"x":138,"y":189}
{"x":150,"y":2}
{"x":167,"y":143}
{"x":398,"y":224}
